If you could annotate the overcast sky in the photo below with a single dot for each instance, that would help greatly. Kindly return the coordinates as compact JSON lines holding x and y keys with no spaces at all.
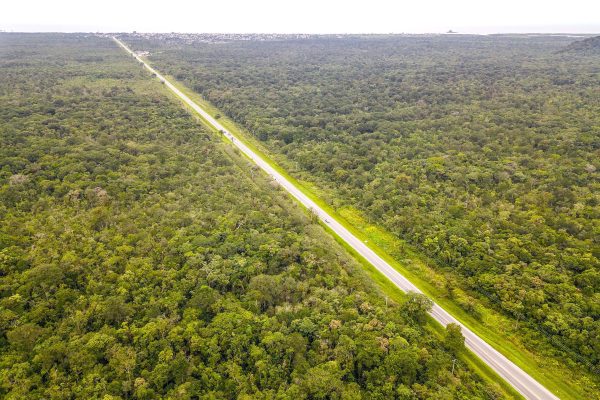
{"x":302,"y":16}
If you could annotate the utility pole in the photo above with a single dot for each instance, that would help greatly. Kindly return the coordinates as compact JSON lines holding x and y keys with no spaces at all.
{"x":453,"y":362}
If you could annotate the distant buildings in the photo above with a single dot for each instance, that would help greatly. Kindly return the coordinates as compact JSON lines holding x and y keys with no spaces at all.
{"x":189,"y":38}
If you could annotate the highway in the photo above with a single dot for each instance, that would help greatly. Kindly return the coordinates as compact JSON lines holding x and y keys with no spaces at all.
{"x":519,"y":379}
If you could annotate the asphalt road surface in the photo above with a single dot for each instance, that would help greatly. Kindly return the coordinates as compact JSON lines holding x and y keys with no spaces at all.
{"x":521,"y":381}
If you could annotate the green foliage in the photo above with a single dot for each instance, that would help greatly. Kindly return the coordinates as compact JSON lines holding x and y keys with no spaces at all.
{"x":481,"y":152}
{"x":140,"y":258}
{"x":417,"y":306}
{"x":453,"y":339}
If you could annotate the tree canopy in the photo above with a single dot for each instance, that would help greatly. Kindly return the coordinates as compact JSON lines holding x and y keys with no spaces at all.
{"x":140,"y":258}
{"x":480,"y":152}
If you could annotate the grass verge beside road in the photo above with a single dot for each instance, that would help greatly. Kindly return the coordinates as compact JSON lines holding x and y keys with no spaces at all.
{"x":390,"y":290}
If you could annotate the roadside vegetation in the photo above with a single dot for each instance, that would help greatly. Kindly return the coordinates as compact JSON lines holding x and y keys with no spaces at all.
{"x":140,"y":257}
{"x":472,"y":161}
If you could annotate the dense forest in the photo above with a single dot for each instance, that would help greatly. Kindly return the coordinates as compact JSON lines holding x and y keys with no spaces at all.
{"x":141,"y":257}
{"x":588,"y":45}
{"x":480,"y":152}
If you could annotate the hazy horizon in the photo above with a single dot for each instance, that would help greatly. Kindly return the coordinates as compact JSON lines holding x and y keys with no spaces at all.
{"x":307,"y":17}
{"x":549,"y":30}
